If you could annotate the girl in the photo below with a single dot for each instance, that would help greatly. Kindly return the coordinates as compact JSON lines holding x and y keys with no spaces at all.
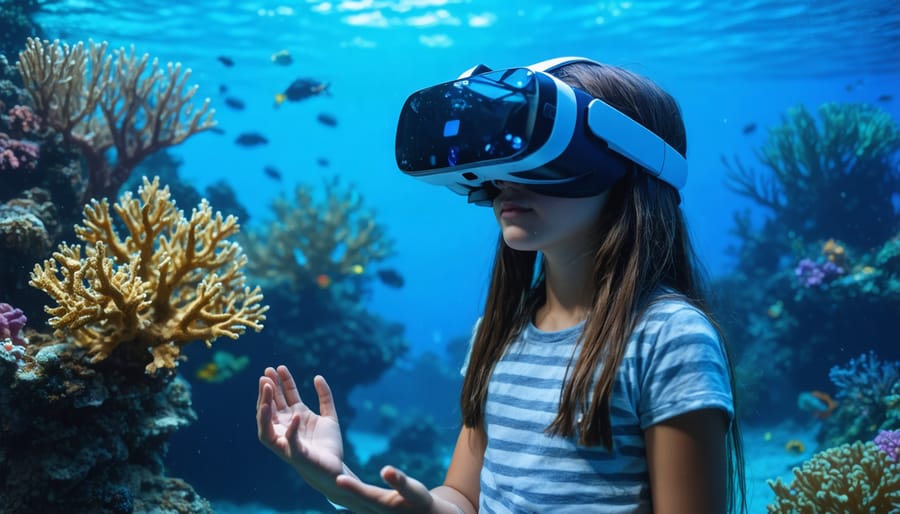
{"x":596,"y":381}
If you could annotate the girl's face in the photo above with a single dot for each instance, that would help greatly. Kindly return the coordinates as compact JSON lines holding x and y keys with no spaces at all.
{"x":534,"y":222}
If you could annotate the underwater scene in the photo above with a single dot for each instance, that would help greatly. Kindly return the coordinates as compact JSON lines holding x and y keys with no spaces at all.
{"x":191,"y":192}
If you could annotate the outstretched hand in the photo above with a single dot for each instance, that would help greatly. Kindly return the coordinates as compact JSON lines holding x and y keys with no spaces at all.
{"x":311,"y":443}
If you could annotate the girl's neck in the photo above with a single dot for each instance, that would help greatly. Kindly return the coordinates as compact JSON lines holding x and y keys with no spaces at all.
{"x":569,"y":292}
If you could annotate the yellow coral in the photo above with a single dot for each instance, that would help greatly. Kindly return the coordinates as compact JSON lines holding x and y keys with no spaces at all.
{"x":170,"y":282}
{"x":851,"y":478}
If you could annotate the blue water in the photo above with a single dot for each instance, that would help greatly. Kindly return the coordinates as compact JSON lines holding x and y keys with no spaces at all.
{"x":728,"y":63}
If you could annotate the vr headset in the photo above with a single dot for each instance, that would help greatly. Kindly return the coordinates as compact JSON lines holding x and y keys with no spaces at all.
{"x":526,"y":126}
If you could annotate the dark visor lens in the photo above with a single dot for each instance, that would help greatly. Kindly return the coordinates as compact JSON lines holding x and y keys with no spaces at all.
{"x":590,"y":184}
{"x":481,"y":118}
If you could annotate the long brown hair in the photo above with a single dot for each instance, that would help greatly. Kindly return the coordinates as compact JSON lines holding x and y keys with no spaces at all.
{"x":642,"y":244}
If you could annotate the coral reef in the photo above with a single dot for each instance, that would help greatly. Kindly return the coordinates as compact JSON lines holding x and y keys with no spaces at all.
{"x":855,"y":478}
{"x":868,"y":392}
{"x":88,"y":440}
{"x":319,"y":244}
{"x":171,"y":281}
{"x":314,"y":258}
{"x":17,"y":20}
{"x":828,"y":176}
{"x":822,"y":268}
{"x":40,"y":200}
{"x":102,"y":102}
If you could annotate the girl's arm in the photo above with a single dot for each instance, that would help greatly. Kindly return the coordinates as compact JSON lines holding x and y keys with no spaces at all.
{"x":687,"y":460}
{"x":462,"y":483}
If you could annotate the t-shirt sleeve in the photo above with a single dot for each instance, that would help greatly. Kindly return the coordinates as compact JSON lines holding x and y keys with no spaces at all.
{"x":684,"y":368}
{"x":465,"y":364}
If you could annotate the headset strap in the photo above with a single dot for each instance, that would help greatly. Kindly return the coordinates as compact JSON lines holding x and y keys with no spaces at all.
{"x":545,"y":66}
{"x":558,"y":62}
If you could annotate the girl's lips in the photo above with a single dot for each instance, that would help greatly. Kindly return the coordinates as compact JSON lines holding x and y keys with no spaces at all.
{"x":513,"y":211}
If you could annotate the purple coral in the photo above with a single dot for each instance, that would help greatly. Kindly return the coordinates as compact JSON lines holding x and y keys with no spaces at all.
{"x":816,"y":274}
{"x":888,"y":441}
{"x":12,"y":321}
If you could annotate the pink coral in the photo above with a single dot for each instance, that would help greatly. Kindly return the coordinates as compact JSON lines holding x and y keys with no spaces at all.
{"x":16,"y":155}
{"x":12,"y":321}
{"x":23,"y":120}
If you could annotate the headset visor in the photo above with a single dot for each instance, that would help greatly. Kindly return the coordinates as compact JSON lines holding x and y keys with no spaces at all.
{"x":487,"y":117}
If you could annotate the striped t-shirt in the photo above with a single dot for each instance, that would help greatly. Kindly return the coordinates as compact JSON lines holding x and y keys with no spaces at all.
{"x":674,"y":363}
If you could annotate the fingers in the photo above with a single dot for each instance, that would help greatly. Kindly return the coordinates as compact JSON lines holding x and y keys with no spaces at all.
{"x":326,"y":400}
{"x":280,"y":402}
{"x":408,"y":488}
{"x":291,"y":394}
{"x":291,"y":435}
{"x":414,"y":494}
{"x":262,"y":381}
{"x":265,"y":429}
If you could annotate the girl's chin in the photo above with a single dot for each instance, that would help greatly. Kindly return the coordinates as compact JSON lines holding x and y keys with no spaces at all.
{"x":520,"y":239}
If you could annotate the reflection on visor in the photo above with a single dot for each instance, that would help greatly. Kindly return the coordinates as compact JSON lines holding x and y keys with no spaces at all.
{"x":473,"y":120}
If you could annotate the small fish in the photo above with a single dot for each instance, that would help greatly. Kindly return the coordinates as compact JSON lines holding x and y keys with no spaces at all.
{"x":357,"y":269}
{"x":301,"y":89}
{"x":749,"y":128}
{"x":794,"y":446}
{"x":323,"y":162}
{"x":323,"y":281}
{"x":885,"y":98}
{"x":227,"y":61}
{"x":209,"y":372}
{"x":848,"y":88}
{"x":251,"y":139}
{"x":223,"y":366}
{"x":217,"y":130}
{"x":272,"y":172}
{"x":776,"y":309}
{"x":223,"y":89}
{"x":390,"y":277}
{"x":327,"y":119}
{"x":235,"y":103}
{"x":282,"y":58}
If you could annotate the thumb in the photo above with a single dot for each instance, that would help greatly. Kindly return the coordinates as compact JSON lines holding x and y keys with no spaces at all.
{"x":326,"y":400}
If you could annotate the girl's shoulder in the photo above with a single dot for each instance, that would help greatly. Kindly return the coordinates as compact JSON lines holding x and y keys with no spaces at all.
{"x":670,"y":309}
{"x":665,"y":300}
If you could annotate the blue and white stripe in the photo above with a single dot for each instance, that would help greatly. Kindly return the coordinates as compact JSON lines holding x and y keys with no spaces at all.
{"x":674,"y":363}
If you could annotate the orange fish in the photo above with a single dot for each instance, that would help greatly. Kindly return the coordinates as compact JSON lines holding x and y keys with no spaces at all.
{"x":323,"y":281}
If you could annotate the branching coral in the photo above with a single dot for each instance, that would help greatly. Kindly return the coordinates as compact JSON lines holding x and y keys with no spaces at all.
{"x":334,"y":239}
{"x":830,"y":178}
{"x":869,"y":393}
{"x":852,"y":478}
{"x":102,"y":102}
{"x":171,"y":281}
